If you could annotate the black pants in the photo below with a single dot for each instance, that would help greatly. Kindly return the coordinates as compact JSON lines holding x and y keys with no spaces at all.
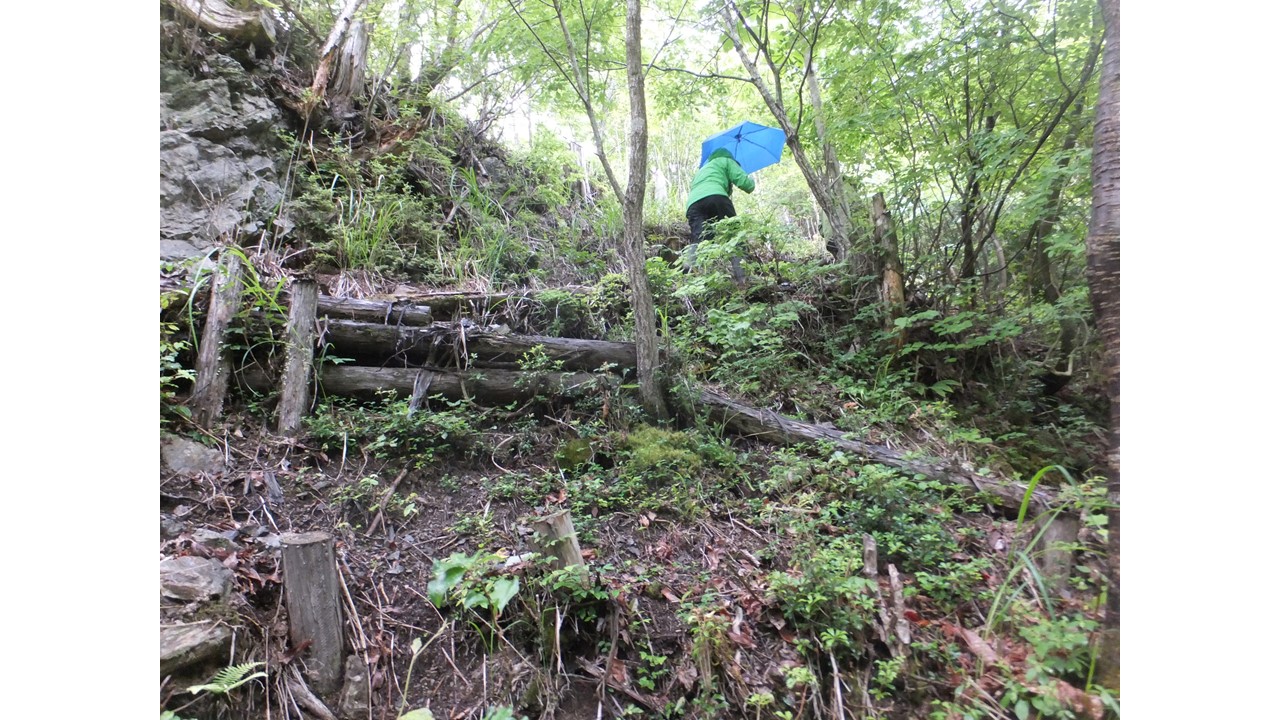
{"x":708,"y":210}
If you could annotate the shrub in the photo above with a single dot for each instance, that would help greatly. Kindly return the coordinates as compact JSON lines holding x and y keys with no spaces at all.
{"x":388,"y":430}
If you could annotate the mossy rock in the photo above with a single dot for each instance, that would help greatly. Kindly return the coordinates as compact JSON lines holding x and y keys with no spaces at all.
{"x":574,"y":453}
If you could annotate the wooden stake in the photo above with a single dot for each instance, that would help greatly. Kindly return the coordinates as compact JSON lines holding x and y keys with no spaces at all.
{"x":1055,"y":552}
{"x":212,"y":368}
{"x":295,"y":384}
{"x":311,"y":597}
{"x":556,"y":538}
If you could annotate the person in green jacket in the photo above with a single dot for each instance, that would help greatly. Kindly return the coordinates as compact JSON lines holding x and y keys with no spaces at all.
{"x":709,"y":201}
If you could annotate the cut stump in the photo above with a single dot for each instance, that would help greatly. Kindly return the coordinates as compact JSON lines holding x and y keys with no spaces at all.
{"x":315,"y":615}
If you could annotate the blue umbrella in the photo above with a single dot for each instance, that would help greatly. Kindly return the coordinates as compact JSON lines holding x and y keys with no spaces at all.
{"x":753,"y":146}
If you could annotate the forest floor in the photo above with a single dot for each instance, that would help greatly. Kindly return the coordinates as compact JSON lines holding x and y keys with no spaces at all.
{"x":726,"y":575}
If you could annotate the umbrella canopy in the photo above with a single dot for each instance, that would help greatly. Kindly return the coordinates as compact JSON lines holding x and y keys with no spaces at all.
{"x":753,"y":146}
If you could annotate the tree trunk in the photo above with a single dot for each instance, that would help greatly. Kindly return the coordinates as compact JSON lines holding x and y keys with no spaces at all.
{"x":651,"y":393}
{"x":348,"y":77}
{"x":840,"y":216}
{"x":885,"y":235}
{"x":829,"y":192}
{"x":315,"y":612}
{"x":1103,"y":248}
{"x":631,"y":198}
{"x":334,"y":53}
{"x":212,"y":365}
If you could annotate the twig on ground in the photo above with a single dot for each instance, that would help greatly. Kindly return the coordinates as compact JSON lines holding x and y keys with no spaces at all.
{"x":382,"y":504}
{"x":744,"y":526}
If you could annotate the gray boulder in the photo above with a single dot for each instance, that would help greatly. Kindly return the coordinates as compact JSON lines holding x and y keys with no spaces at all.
{"x":188,"y":457}
{"x":186,"y":644}
{"x":194,"y":579}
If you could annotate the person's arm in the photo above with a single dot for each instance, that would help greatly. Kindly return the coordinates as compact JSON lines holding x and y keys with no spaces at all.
{"x":739,"y":178}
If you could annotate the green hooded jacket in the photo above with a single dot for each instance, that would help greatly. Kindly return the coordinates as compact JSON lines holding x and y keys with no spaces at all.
{"x":718,"y":177}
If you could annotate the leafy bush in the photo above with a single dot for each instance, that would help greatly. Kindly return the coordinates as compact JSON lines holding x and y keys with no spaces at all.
{"x":826,"y":594}
{"x":388,"y":430}
{"x":471,"y":582}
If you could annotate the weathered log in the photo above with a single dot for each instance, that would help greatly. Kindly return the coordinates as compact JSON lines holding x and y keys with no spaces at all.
{"x":218,"y":17}
{"x":423,"y":307}
{"x":489,"y":387}
{"x":330,"y":53}
{"x":295,"y":383}
{"x":443,"y":343}
{"x":311,"y":596}
{"x":212,"y":365}
{"x":387,"y":312}
{"x":767,"y":425}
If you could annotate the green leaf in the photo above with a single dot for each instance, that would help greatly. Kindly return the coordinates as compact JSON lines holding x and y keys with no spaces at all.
{"x":419,"y":714}
{"x":473,"y":598}
{"x":437,"y":590}
{"x":228,"y":679}
{"x":1022,"y":709}
{"x":453,"y":575}
{"x":1031,"y":487}
{"x":503,"y":590}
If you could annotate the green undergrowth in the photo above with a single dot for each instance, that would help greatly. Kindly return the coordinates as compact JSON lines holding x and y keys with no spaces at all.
{"x":389,"y":430}
{"x":413,"y":211}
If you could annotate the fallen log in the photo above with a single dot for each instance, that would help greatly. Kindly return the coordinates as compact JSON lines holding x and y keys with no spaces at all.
{"x":767,"y":425}
{"x":420,"y":308}
{"x":445,"y":344}
{"x":387,"y":312}
{"x":220,"y":18}
{"x":489,"y":387}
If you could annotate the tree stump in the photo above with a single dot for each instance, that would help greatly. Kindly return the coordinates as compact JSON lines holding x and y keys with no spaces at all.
{"x":311,"y":596}
{"x":556,"y":538}
{"x":1055,"y":551}
{"x":295,"y":391}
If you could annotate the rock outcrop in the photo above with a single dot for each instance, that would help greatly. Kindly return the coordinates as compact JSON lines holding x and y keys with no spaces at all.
{"x":221,"y":164}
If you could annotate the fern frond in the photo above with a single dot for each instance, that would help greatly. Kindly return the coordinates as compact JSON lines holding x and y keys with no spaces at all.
{"x":228,"y":679}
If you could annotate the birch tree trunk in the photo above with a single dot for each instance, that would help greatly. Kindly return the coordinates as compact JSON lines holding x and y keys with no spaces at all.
{"x":1103,"y":249}
{"x":829,"y":192}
